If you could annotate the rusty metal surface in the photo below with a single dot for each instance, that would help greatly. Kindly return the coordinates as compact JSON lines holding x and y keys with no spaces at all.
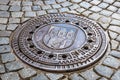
{"x":59,"y":42}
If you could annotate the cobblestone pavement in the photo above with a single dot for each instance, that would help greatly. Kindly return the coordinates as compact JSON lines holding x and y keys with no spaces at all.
{"x":105,"y":12}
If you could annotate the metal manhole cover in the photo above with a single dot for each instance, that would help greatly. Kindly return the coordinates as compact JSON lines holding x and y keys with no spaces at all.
{"x":59,"y":42}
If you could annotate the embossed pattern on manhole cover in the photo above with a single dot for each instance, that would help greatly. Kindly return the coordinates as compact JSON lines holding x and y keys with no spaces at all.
{"x":59,"y":42}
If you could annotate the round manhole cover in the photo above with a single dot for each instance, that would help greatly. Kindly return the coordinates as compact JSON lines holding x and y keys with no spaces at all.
{"x":59,"y":42}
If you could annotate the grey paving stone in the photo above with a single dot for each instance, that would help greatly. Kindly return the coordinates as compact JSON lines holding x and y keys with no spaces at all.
{"x":86,"y":13}
{"x":56,"y":6}
{"x":4,"y":7}
{"x":53,"y":76}
{"x":11,"y":26}
{"x":115,"y":22}
{"x":118,"y":38}
{"x":103,"y":5}
{"x":42,"y":12}
{"x":13,"y":66}
{"x":14,"y":20}
{"x":112,"y":8}
{"x":36,"y":8}
{"x":115,"y":28}
{"x":30,"y":14}
{"x":26,"y":8}
{"x":15,"y":3}
{"x":5,"y":48}
{"x":116,"y":16}
{"x":116,"y":76}
{"x":27,"y":3}
{"x":80,"y":10}
{"x":2,"y":27}
{"x":94,"y":16}
{"x":3,"y":20}
{"x":74,"y":6}
{"x":106,"y":12}
{"x":85,"y":5}
{"x":10,"y":76}
{"x":4,"y":1}
{"x":90,"y":75}
{"x":4,"y":14}
{"x":112,"y":34}
{"x":2,"y":68}
{"x":114,"y":44}
{"x":109,"y":1}
{"x":75,"y":76}
{"x":52,"y":11}
{"x":117,"y":4}
{"x":95,"y":2}
{"x":17,"y":14}
{"x":76,"y":1}
{"x":15,"y":8}
{"x":60,"y":1}
{"x":5,"y":33}
{"x":95,"y":8}
{"x":4,"y":40}
{"x":44,"y":7}
{"x":37,"y":2}
{"x":27,"y":73}
{"x":7,"y":57}
{"x":104,"y":71}
{"x":104,"y":20}
{"x":65,"y":4}
{"x":47,"y":2}
{"x":115,"y":53}
{"x":40,"y":76}
{"x":63,"y":9}
{"x":112,"y":62}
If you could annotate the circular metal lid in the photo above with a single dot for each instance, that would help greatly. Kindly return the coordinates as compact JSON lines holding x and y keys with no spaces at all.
{"x":59,"y":42}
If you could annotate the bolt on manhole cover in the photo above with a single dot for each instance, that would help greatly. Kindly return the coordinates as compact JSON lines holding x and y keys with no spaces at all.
{"x":59,"y":42}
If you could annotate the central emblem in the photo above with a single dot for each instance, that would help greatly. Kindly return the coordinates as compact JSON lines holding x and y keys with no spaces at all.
{"x":59,"y":37}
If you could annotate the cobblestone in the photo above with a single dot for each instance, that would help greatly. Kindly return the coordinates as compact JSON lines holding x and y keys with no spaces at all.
{"x":106,"y":12}
{"x":11,"y":26}
{"x":63,"y":9}
{"x":27,"y":3}
{"x":94,"y":16}
{"x":10,"y":76}
{"x":116,"y":76}
{"x":5,"y":33}
{"x":36,"y":8}
{"x":40,"y":76}
{"x":52,"y":11}
{"x":41,"y":12}
{"x":118,"y":38}
{"x":117,"y":4}
{"x":38,"y":2}
{"x":26,"y":8}
{"x":116,"y":16}
{"x":95,"y":2}
{"x":15,"y":3}
{"x":114,"y":44}
{"x":17,"y":14}
{"x":109,"y":1}
{"x":85,"y":5}
{"x":3,"y":20}
{"x":54,"y":76}
{"x":115,"y":22}
{"x":75,"y":76}
{"x":76,"y":1}
{"x":14,"y":20}
{"x":113,"y":35}
{"x":7,"y":57}
{"x":112,"y":8}
{"x":74,"y":6}
{"x":103,"y":78}
{"x":2,"y":68}
{"x":95,"y":9}
{"x":13,"y":66}
{"x":115,"y":53}
{"x":4,"y":7}
{"x":15,"y":8}
{"x":4,"y":40}
{"x":4,"y":1}
{"x":103,"y":5}
{"x":44,"y":7}
{"x":104,"y":71}
{"x":2,"y":27}
{"x":65,"y":4}
{"x":90,"y":75}
{"x":112,"y":62}
{"x":56,"y":6}
{"x":50,"y":2}
{"x":30,"y":14}
{"x":115,"y":28}
{"x":27,"y":73}
{"x":4,"y":48}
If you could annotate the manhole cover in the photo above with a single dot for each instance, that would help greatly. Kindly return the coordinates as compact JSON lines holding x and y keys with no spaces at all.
{"x":59,"y":42}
